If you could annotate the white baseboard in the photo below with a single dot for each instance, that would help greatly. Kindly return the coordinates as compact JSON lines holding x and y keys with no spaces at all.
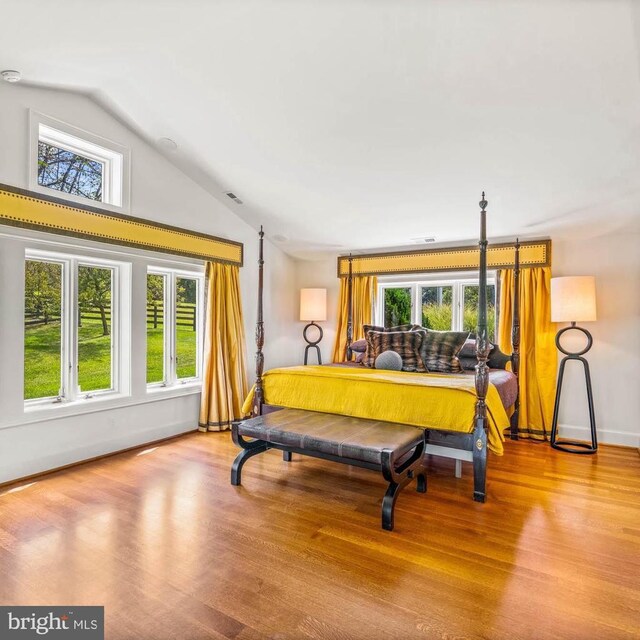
{"x":621,"y":438}
{"x":59,"y":459}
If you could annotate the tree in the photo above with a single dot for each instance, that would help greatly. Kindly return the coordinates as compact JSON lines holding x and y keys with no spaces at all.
{"x":397,"y":306}
{"x":43,"y":284}
{"x":94,"y":292}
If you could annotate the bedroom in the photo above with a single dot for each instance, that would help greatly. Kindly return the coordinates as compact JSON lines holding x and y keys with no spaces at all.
{"x":342,"y":128}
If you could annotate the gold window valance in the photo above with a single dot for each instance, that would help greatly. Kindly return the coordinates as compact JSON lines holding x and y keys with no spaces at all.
{"x":26,"y":209}
{"x":499,"y":256}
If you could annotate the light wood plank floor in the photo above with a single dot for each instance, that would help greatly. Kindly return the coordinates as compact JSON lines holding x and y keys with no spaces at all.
{"x":173,"y":551}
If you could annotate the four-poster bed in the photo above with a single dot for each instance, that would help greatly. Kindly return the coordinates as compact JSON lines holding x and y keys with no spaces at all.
{"x":464,"y":431}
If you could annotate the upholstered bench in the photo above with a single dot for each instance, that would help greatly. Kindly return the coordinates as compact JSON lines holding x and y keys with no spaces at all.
{"x":394,"y":449}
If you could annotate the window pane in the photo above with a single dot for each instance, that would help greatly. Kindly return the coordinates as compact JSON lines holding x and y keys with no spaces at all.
{"x":69,"y":172}
{"x":397,"y":306}
{"x":186,"y":328}
{"x":155,"y":327}
{"x":94,"y":328}
{"x":470,"y":310}
{"x":437,"y":308}
{"x":42,"y":329}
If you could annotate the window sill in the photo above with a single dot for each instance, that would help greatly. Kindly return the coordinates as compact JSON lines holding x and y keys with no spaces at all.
{"x":107,"y":402}
{"x":175,"y":390}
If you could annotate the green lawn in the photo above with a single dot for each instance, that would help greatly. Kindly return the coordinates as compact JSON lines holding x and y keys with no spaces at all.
{"x":42,"y":357}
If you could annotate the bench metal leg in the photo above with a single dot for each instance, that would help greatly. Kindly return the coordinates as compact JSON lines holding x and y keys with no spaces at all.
{"x":286,"y":456}
{"x":389,"y":502}
{"x":241,"y":458}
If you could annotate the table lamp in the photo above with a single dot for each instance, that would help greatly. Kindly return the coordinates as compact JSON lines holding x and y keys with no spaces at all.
{"x":313,"y":309}
{"x":573,"y":299}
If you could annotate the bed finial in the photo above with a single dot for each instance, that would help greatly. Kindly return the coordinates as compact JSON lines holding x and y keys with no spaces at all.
{"x":258,"y":396}
{"x":350,"y":308}
{"x":515,"y":338}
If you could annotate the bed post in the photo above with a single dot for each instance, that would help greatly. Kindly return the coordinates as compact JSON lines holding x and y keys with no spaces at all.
{"x":258,"y":396}
{"x":350,"y":309}
{"x":482,"y":371}
{"x":515,"y":341}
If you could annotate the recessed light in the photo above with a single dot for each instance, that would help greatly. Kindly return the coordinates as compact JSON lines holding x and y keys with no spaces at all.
{"x":167,"y":144}
{"x":11,"y":76}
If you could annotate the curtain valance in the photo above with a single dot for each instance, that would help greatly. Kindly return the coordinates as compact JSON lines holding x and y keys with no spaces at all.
{"x":499,"y":256}
{"x":26,"y":209}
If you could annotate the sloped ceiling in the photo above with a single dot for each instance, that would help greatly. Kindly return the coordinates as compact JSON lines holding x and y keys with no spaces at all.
{"x":367,"y":123}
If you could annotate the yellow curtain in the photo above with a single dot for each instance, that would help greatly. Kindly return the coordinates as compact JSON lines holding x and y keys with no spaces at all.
{"x":363,"y":297}
{"x":225,"y":384}
{"x":538,"y":355}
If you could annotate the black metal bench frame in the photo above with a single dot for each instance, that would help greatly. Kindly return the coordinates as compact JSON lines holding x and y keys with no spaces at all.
{"x":398,"y":477}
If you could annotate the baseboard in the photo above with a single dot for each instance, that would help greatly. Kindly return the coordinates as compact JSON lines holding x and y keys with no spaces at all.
{"x":620,"y":438}
{"x":95,"y":451}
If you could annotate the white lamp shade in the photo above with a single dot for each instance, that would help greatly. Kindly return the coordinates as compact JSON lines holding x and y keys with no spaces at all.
{"x":313,"y":305}
{"x":573,"y":299}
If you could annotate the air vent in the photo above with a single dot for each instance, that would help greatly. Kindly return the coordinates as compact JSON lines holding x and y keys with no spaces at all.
{"x":233,"y":196}
{"x":423,"y":240}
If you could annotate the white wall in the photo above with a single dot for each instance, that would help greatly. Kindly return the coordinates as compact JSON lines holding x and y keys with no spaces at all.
{"x":159,"y":192}
{"x":615,"y":357}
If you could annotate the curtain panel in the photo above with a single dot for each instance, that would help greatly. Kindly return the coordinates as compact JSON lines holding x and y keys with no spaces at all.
{"x":538,"y":354}
{"x":363,"y":293}
{"x":225,"y":384}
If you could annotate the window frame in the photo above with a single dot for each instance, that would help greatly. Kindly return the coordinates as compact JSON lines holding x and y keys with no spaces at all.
{"x":457,"y":284}
{"x":69,"y":391}
{"x":114,"y":157}
{"x":171,"y":380}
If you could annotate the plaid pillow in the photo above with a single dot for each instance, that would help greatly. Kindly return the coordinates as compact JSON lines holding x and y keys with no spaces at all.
{"x":405,"y":343}
{"x":439,"y":350}
{"x":400,"y":327}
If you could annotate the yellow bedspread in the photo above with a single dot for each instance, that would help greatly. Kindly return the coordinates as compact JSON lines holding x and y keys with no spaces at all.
{"x":429,"y":400}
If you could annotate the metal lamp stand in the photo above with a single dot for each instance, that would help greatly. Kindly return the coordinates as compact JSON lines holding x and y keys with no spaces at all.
{"x":312,"y":344}
{"x":572,"y":446}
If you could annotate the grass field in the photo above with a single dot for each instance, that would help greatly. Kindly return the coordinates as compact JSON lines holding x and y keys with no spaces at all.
{"x":42,"y":357}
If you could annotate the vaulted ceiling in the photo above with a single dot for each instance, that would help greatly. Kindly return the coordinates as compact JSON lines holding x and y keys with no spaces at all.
{"x":367,"y":123}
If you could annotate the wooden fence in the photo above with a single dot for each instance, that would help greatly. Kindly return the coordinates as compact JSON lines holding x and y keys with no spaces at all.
{"x":186,"y":316}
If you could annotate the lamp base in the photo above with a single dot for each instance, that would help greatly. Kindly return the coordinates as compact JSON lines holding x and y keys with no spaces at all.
{"x":572,"y":446}
{"x":312,"y":344}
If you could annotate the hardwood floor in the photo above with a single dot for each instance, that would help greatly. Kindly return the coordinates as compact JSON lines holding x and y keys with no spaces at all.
{"x":172,"y":550}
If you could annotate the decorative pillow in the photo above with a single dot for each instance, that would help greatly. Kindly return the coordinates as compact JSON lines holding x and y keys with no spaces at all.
{"x":360,"y":357}
{"x":439,"y":350}
{"x":469,"y":348}
{"x":405,"y":343}
{"x":389,"y":360}
{"x":359,"y":346}
{"x":400,"y":327}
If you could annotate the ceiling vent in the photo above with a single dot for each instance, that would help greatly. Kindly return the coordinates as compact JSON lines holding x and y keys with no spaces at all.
{"x":423,"y":240}
{"x":233,"y":196}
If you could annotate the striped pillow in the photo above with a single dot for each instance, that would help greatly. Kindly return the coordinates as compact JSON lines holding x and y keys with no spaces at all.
{"x":400,"y":327}
{"x":439,"y":350}
{"x":405,"y":343}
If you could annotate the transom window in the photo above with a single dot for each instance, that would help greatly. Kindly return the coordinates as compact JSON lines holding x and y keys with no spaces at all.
{"x":72,"y":327}
{"x":174,"y":343}
{"x":82,"y":166}
{"x":441,"y":305}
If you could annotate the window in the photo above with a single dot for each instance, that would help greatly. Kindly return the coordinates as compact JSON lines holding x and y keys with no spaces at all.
{"x":72,"y":327}
{"x":82,"y":166}
{"x":440,"y":305}
{"x":173,"y":327}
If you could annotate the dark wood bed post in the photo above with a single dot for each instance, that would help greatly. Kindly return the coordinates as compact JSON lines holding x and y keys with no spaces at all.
{"x":350,"y":308}
{"x":258,"y":396}
{"x":482,"y":370}
{"x":515,"y":340}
